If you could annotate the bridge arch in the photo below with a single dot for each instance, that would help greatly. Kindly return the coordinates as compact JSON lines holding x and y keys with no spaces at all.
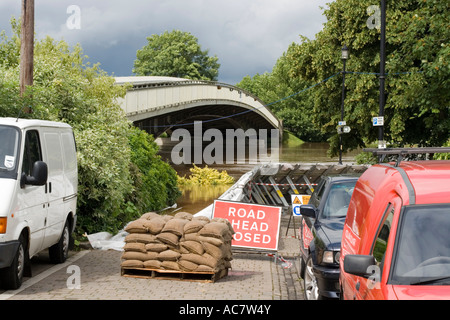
{"x":163,"y":104}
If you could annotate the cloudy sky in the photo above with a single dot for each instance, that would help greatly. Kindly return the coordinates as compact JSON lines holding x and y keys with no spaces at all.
{"x":248,"y":36}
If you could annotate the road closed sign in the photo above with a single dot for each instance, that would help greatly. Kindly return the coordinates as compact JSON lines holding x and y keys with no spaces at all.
{"x":255,"y":226}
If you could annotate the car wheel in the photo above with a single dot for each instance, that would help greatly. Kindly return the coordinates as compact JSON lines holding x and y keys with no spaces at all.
{"x":59,"y":252}
{"x":12,"y":276}
{"x":310,"y":282}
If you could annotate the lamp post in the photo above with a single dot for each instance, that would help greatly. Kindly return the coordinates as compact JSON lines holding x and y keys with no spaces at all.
{"x":344,"y":57}
{"x":381,"y":143}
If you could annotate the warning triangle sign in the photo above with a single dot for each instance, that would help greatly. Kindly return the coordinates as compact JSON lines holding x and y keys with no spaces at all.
{"x":296,"y":201}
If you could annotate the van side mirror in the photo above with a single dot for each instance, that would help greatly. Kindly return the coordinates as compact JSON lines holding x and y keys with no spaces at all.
{"x":308,"y":210}
{"x":359,"y":265}
{"x":38,"y":176}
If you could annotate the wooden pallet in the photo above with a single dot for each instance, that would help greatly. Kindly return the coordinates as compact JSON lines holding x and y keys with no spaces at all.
{"x":162,"y":274}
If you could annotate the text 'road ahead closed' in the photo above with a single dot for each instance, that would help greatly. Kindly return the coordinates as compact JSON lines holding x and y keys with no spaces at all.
{"x":256,"y":226}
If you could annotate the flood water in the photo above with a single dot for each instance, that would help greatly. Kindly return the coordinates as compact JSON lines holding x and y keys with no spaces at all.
{"x":196,"y":198}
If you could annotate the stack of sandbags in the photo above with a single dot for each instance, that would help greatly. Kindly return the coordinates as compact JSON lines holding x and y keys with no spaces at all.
{"x":181,"y":242}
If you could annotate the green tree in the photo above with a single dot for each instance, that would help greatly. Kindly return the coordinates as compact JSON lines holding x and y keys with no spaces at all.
{"x":417,"y":86}
{"x":175,"y":54}
{"x":155,"y":186}
{"x":66,"y":88}
{"x":287,"y":97}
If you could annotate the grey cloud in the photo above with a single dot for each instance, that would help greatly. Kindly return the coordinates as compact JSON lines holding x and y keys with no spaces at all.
{"x":247,"y":35}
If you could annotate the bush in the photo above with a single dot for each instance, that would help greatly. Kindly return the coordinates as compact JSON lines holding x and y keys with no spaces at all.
{"x":155,"y":181}
{"x":206,"y":176}
{"x":120,"y":174}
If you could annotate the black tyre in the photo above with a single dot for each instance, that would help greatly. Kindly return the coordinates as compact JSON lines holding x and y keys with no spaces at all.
{"x":310,"y":282}
{"x":59,"y":252}
{"x":12,"y":276}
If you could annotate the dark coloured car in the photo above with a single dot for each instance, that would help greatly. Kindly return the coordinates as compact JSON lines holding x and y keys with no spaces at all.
{"x":320,"y":235}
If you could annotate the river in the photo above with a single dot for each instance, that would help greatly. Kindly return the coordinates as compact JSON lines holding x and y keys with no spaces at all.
{"x":195,"y":198}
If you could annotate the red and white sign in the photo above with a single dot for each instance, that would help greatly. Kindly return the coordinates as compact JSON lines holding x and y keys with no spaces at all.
{"x":256,"y":226}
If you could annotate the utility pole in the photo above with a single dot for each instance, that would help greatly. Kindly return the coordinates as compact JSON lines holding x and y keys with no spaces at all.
{"x":26,"y":47}
{"x":381,"y":143}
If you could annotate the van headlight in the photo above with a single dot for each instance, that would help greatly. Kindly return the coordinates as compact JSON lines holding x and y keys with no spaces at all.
{"x":331,"y":257}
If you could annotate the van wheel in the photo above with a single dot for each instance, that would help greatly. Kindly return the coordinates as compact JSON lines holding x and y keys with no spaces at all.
{"x":310,"y":282}
{"x":12,"y":276}
{"x":59,"y":252}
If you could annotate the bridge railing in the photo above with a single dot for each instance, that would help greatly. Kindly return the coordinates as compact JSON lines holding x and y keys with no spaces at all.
{"x":159,"y":97}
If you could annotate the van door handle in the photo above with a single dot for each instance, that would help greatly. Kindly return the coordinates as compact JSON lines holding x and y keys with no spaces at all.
{"x":49,"y":187}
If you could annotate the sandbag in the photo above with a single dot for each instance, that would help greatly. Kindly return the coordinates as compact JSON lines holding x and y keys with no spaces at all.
{"x":194,"y":226}
{"x":155,"y":225}
{"x":193,"y":246}
{"x":152,"y":264}
{"x":215,"y":229}
{"x":168,"y":238}
{"x":195,"y":258}
{"x":196,"y":237}
{"x":210,"y":261}
{"x":132,"y":264}
{"x":175,"y":226}
{"x":156,"y":247}
{"x":140,"y":237}
{"x":133,"y":255}
{"x":202,"y":218}
{"x":215,"y":252}
{"x":183,"y":215}
{"x":186,"y":265}
{"x":150,"y":215}
{"x":204,"y":268}
{"x":180,"y":242}
{"x":170,"y":265}
{"x":169,"y":255}
{"x":135,"y":246}
{"x":225,"y":221}
{"x":136,"y":226}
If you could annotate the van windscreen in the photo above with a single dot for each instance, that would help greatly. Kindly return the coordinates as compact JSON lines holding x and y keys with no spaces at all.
{"x":423,"y":246}
{"x":9,"y":146}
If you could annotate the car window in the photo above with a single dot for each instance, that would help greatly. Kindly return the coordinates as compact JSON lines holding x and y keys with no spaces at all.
{"x":380,"y":244}
{"x":423,"y":244}
{"x":32,"y":151}
{"x":338,"y":199}
{"x":317,"y":194}
{"x":321,"y":190}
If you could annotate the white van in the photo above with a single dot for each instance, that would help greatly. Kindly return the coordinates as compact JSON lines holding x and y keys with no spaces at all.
{"x":38,"y":194}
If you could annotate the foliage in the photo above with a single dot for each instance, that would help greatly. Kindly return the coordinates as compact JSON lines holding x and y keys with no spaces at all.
{"x":417,"y":86}
{"x":175,"y":54}
{"x":417,"y":110}
{"x":156,"y":182}
{"x":443,"y":156}
{"x":68,"y":89}
{"x":278,"y":90}
{"x":290,"y":140}
{"x":206,"y":176}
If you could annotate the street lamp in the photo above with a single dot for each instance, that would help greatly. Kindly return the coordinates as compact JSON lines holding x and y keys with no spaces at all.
{"x":344,"y":57}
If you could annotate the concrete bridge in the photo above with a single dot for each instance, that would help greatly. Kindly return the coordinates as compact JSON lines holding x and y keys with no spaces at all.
{"x":163,"y":104}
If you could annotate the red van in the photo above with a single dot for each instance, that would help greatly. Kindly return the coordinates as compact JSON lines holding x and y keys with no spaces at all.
{"x":396,"y":237}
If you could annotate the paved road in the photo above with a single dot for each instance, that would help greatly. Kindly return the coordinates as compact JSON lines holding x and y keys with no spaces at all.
{"x":98,"y":277}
